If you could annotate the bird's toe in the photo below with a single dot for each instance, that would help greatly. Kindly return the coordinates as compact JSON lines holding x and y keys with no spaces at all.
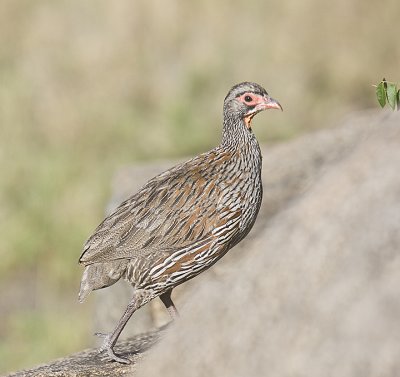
{"x":107,"y":347}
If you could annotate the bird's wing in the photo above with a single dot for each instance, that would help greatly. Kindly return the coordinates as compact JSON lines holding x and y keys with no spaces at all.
{"x":182,"y":206}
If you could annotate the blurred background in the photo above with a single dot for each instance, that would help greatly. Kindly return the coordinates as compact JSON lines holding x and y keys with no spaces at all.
{"x":89,"y":86}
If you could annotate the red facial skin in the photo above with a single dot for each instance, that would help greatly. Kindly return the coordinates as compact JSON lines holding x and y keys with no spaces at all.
{"x":259,"y":102}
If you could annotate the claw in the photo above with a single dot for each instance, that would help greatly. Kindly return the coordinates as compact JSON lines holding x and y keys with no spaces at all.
{"x":116,"y":358}
{"x":108,"y":347}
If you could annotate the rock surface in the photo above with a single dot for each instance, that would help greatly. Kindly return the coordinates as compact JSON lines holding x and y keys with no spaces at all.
{"x":314,"y":289}
{"x":315,"y":292}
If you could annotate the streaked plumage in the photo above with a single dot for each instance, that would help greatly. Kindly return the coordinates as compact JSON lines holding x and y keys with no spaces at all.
{"x":182,"y":221}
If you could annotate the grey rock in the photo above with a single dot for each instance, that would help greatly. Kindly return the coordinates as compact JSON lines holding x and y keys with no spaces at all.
{"x":315,"y":292}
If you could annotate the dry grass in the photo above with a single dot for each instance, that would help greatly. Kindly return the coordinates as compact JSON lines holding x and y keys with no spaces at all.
{"x":88,"y":86}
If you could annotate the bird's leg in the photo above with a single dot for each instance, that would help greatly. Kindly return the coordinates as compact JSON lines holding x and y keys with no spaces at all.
{"x":110,"y":339}
{"x":167,"y":301}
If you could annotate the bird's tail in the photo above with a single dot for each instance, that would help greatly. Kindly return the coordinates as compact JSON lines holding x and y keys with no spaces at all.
{"x":101,"y":275}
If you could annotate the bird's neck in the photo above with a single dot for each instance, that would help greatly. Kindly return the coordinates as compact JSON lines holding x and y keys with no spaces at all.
{"x":236,"y":134}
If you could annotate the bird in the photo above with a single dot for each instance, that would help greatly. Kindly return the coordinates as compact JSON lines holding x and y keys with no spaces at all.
{"x":183,"y":220}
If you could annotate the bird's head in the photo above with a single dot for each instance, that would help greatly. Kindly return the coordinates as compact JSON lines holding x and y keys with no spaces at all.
{"x":247,"y":99}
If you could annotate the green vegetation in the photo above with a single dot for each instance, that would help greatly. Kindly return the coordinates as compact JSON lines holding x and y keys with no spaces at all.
{"x":386,"y":92}
{"x":86,"y":87}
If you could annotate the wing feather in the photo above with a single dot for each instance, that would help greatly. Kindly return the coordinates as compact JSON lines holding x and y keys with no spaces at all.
{"x":173,"y":210}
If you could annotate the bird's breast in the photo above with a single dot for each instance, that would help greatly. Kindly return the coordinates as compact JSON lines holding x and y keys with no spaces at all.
{"x":241,"y":190}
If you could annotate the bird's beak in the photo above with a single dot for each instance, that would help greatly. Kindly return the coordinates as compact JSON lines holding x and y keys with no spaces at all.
{"x":268,"y":103}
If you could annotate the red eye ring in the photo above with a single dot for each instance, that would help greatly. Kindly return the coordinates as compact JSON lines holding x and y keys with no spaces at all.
{"x":248,"y":98}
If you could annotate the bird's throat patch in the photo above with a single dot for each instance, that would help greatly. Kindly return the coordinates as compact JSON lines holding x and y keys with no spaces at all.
{"x":248,"y":119}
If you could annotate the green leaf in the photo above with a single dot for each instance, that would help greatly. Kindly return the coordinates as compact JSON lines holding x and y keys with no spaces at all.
{"x":381,"y":94}
{"x":391,"y":95}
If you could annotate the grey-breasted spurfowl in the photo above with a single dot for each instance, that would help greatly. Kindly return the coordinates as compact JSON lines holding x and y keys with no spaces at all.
{"x":183,"y":220}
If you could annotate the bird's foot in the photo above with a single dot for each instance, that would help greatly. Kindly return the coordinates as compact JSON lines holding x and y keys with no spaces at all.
{"x":107,"y":346}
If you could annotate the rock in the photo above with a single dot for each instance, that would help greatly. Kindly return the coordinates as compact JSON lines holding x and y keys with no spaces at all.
{"x":315,"y":291}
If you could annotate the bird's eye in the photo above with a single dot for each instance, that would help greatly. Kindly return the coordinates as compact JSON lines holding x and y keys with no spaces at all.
{"x":248,"y":99}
